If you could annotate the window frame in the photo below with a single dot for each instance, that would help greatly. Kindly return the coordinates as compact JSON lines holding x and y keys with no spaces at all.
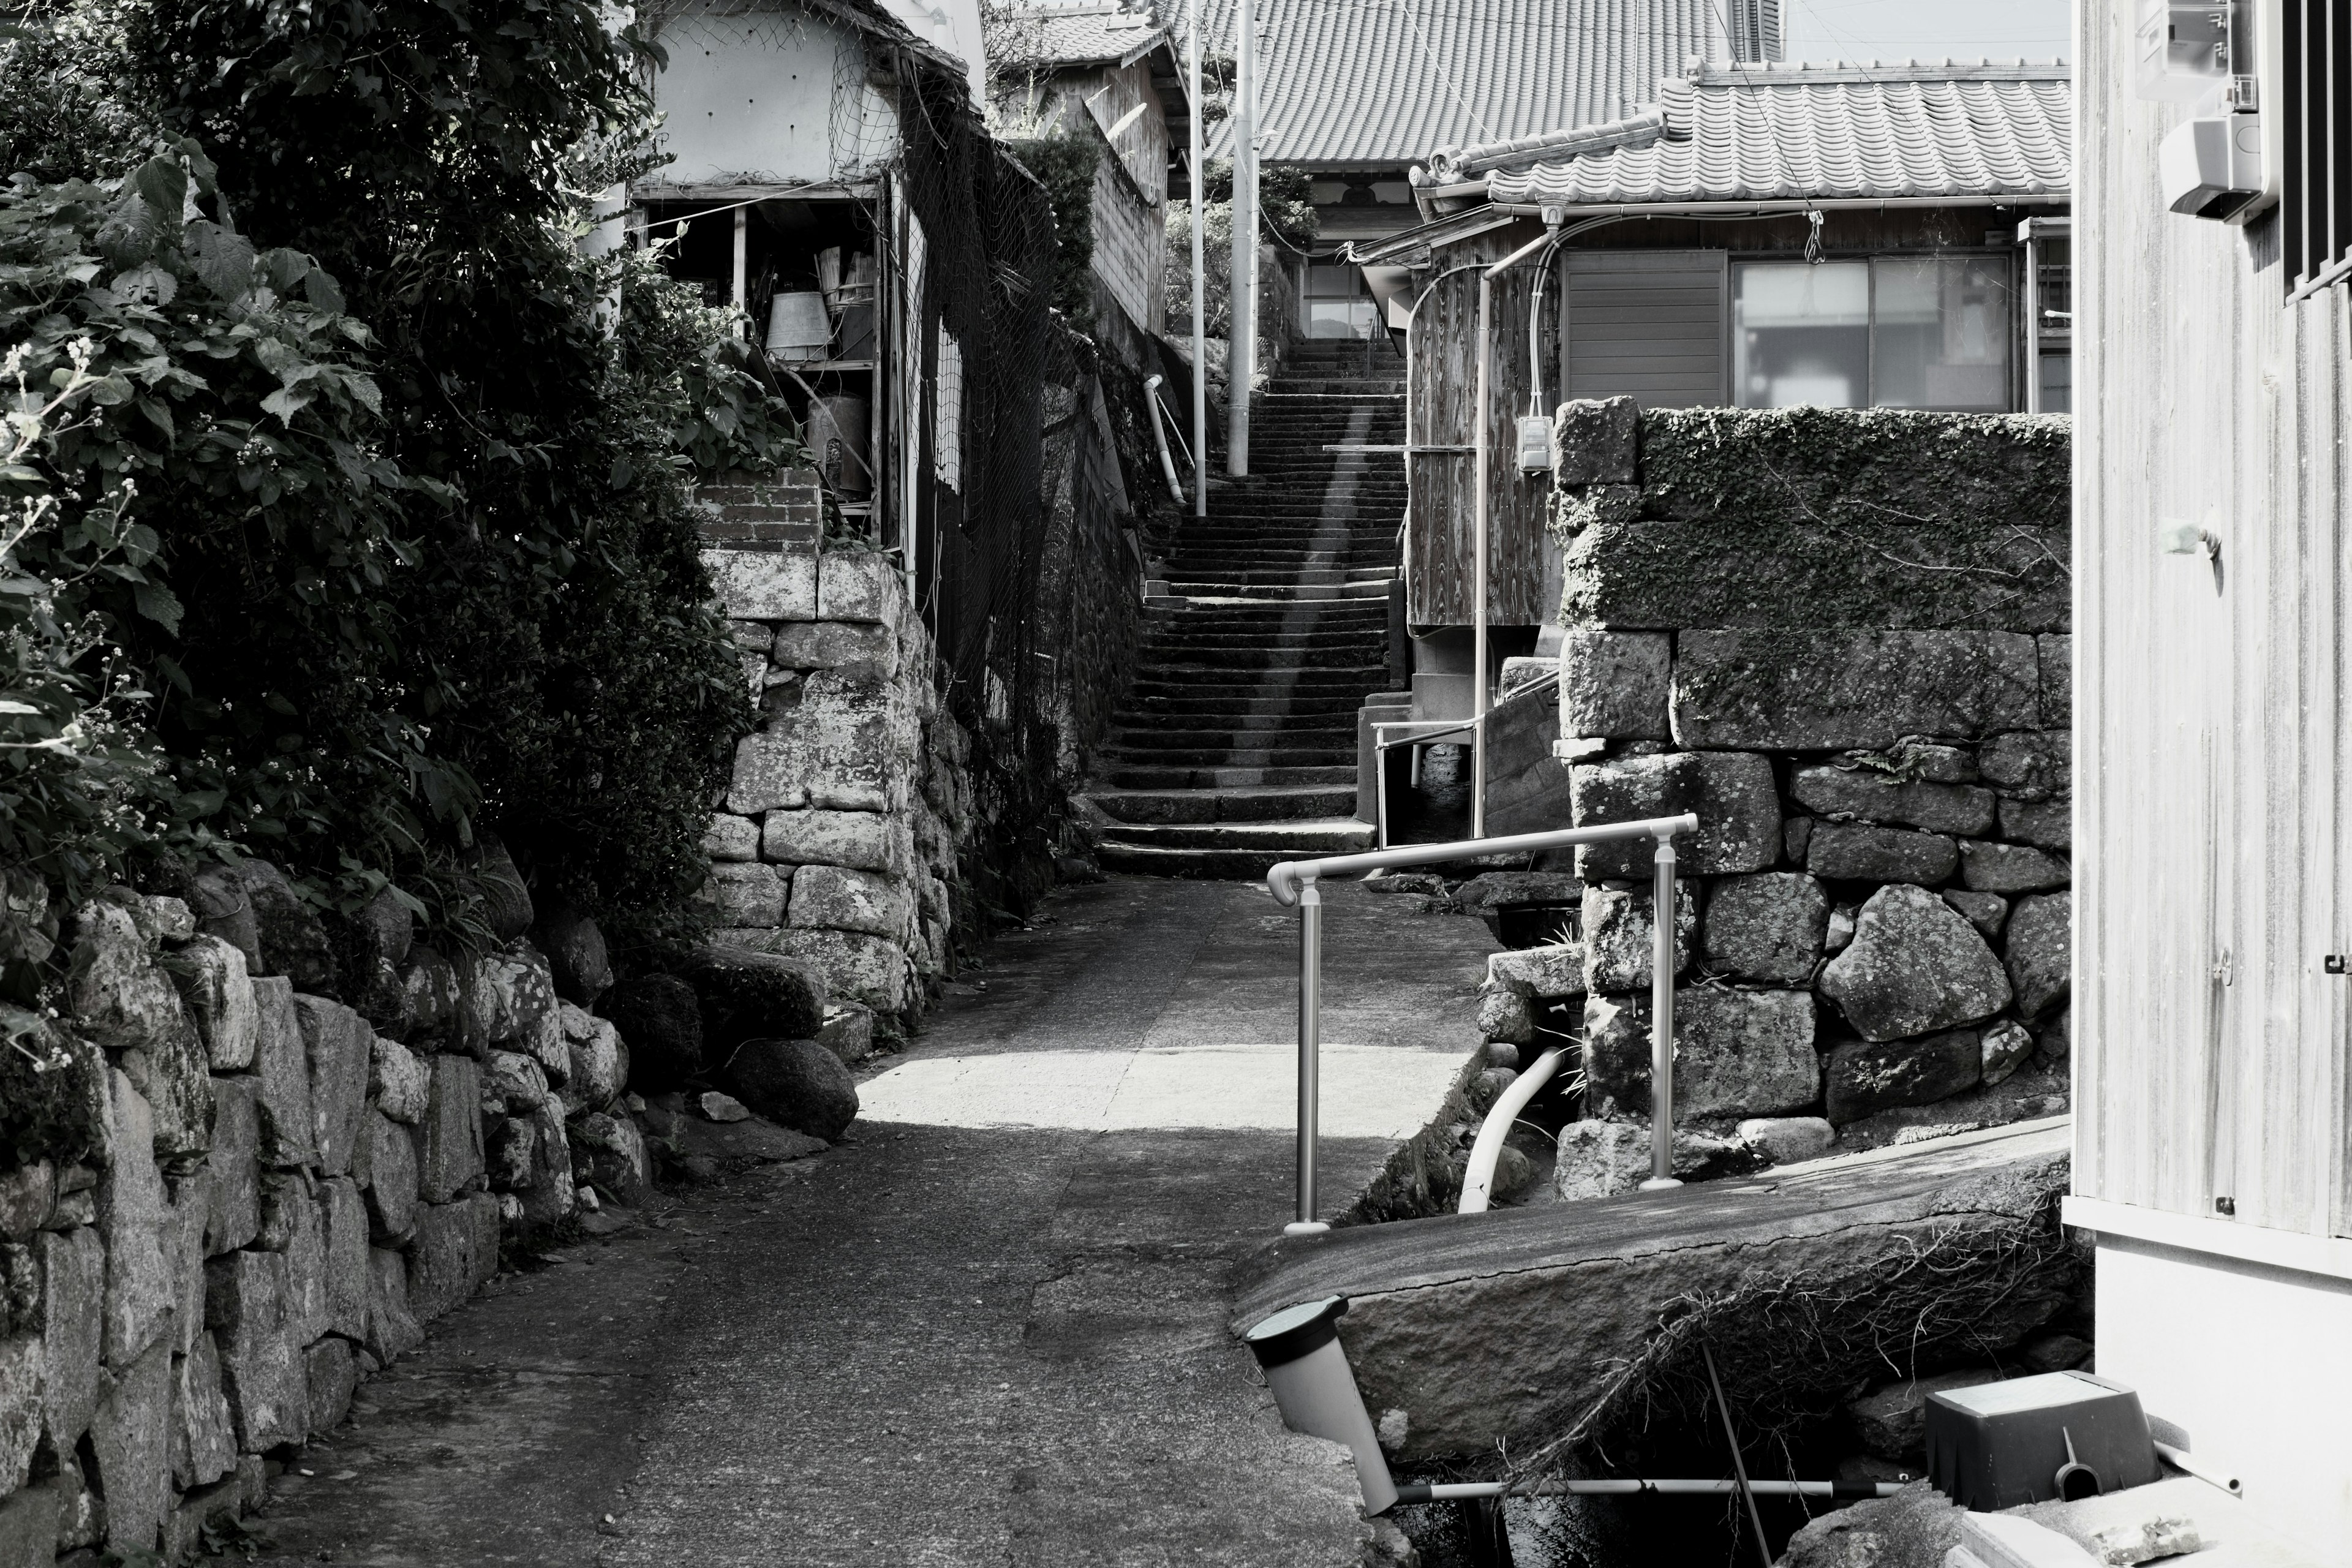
{"x":2010,"y":254}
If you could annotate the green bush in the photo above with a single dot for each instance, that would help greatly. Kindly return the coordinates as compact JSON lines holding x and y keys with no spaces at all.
{"x":1285,"y":213}
{"x":1066,"y":166}
{"x":368,"y":527}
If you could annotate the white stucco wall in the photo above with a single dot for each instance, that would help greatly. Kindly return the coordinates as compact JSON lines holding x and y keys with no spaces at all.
{"x":2253,"y":1363}
{"x":748,"y":99}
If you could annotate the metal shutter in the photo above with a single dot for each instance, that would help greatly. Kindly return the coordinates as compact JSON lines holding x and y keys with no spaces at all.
{"x":1648,"y":322}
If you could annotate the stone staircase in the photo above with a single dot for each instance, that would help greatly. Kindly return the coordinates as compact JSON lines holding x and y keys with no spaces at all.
{"x":1236,"y":747}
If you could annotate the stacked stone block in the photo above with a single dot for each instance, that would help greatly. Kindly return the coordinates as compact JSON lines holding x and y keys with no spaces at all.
{"x":839,"y":836}
{"x":1839,"y":637}
{"x":288,"y":1189}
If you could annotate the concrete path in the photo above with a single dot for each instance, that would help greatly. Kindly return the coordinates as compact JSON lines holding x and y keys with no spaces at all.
{"x":988,"y":1328}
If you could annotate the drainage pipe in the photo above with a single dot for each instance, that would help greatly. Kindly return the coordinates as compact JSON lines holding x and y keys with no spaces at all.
{"x":1451,"y":1491}
{"x":1315,"y":1388}
{"x":1478,"y":1180}
{"x":1662,"y":922}
{"x":1159,"y":437}
{"x":2178,"y":1458}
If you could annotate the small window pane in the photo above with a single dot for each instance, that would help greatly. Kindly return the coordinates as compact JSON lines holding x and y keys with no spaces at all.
{"x":1341,"y":318}
{"x":1800,"y":335}
{"x":1943,"y":333}
{"x":2057,"y":382}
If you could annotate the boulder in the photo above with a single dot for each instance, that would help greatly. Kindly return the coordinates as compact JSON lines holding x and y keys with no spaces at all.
{"x":505,"y":900}
{"x":217,"y":897}
{"x":132,"y":1212}
{"x":130,"y":1438}
{"x":746,"y":994}
{"x":1491,"y":891}
{"x":429,"y":997}
{"x":1613,"y":685}
{"x":1867,"y":795}
{"x":450,"y":1154}
{"x":218,"y":993}
{"x":514,"y":1081}
{"x":1853,"y":852}
{"x":373,"y":945}
{"x":341,"y":1049}
{"x":2003,"y":1050}
{"x":1618,"y":936}
{"x":345,"y":1218}
{"x":202,"y":1442}
{"x":1602,"y":1159}
{"x":27,"y":1195}
{"x":869,"y":969}
{"x":1816,"y":690}
{"x":2031,"y":764}
{"x":387,"y":1171}
{"x":446,"y":1260}
{"x":293,"y":939}
{"x":2041,"y":949}
{"x":2046,"y":823}
{"x":184,"y":1256}
{"x":1736,"y":1053}
{"x":1786,"y":1140}
{"x":616,"y":1157}
{"x":294,"y":1225}
{"x":1892,"y":1421}
{"x":1918,"y":1525}
{"x":713,"y":1106}
{"x":522,"y":1010}
{"x":848,"y":1032}
{"x":397,"y":1080}
{"x":576,"y":956}
{"x":660,"y":1018}
{"x":1867,"y":1077}
{"x":547,"y":1196}
{"x":116,"y":992}
{"x":234,"y":1214}
{"x":1733,"y":793}
{"x":1766,"y":927}
{"x":731,"y":838}
{"x":245,"y":1306}
{"x":1503,"y":1014}
{"x":599,"y":1061}
{"x":20,"y":1408}
{"x":282,"y":1069}
{"x":794,"y":1083}
{"x":745,"y":893}
{"x":1914,"y":967}
{"x":2055,"y":1035}
{"x":332,"y":1374}
{"x":1595,"y":440}
{"x":839,"y":899}
{"x":73,"y":1272}
{"x":510,"y":1150}
{"x":1988,"y":867}
{"x":1986,"y":912}
{"x":391,"y":1328}
{"x":865,"y":840}
{"x":1546,"y":974}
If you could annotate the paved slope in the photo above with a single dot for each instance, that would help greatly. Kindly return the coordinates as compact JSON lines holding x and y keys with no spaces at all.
{"x":941,"y":1344}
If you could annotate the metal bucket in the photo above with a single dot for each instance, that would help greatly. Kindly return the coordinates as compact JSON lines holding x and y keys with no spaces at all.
{"x":798,"y":328}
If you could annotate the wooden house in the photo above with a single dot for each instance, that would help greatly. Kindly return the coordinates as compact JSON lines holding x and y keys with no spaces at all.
{"x":1357,"y":94}
{"x":1758,"y":236}
{"x":2213,"y":746}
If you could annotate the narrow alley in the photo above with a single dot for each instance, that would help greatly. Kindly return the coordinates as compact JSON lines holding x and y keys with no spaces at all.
{"x":986,"y":1327}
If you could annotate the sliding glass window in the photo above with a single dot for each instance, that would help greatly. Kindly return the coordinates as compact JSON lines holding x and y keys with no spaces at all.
{"x":1896,"y":331}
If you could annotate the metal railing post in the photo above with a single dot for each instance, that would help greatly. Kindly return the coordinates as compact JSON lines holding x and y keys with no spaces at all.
{"x":1662,"y":1018}
{"x":1310,"y":1033}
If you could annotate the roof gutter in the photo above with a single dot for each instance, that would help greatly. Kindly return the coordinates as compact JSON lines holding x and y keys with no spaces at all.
{"x":1727,"y":209}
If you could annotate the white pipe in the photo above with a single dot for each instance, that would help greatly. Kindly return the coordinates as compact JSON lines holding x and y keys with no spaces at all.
{"x":1159,"y":437}
{"x":742,"y":284}
{"x":1284,"y":879}
{"x":1242,"y":309}
{"x":1200,"y":289}
{"x":2032,"y":322}
{"x":1478,"y":1179}
{"x":1447,"y":1491}
{"x":1479,"y":704}
{"x":2178,"y":1460}
{"x":1310,"y":1034}
{"x":1662,"y":1018}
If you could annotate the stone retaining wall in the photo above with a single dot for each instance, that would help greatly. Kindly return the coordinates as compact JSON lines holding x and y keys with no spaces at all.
{"x":250,"y":1196}
{"x":841,"y":830}
{"x":1841,"y":639}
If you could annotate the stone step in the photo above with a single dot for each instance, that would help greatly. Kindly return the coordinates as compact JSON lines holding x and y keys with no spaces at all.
{"x":1315,"y":836}
{"x":1136,"y":777}
{"x":1269,"y":802}
{"x":1376,"y":589}
{"x":1214,"y":864}
{"x":1241,"y":655}
{"x":1194,"y":710}
{"x":1262,"y":756}
{"x":1242,"y":685}
{"x":1287,"y":733}
{"x":1240,"y":616}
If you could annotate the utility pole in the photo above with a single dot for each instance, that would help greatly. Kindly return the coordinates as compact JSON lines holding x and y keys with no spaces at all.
{"x":1241,"y":356}
{"x":1200,"y":287}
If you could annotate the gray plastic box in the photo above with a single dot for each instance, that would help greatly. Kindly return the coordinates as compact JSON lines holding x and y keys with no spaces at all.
{"x":1998,"y":1445}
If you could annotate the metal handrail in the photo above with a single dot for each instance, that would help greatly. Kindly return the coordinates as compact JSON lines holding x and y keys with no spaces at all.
{"x":1293,"y":885}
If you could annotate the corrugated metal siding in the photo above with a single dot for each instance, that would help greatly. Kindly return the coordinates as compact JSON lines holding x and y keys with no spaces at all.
{"x":2212,"y":737}
{"x":1649,"y":323}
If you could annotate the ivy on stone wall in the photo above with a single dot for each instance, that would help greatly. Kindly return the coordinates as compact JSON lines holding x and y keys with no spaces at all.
{"x":1066,"y":166}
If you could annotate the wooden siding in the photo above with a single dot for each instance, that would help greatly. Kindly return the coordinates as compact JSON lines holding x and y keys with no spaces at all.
{"x":1648,"y":323}
{"x":2213,"y":745}
{"x":1440,"y":519}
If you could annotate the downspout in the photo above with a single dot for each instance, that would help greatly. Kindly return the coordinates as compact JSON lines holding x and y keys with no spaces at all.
{"x":1478,"y":693}
{"x":1200,"y":287}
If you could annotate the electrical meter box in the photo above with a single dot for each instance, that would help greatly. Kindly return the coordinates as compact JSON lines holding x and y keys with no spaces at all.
{"x":2037,"y":1439}
{"x":1535,"y":444}
{"x":2184,"y":50}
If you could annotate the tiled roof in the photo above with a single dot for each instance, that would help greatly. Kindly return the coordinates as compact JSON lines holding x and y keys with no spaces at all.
{"x":1376,"y":84}
{"x":1088,"y":32}
{"x":1846,"y":133}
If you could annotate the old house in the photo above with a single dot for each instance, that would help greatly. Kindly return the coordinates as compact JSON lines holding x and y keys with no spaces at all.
{"x":1759,"y":235}
{"x":1111,"y":78}
{"x":2213,"y":1132}
{"x":1356,"y":95}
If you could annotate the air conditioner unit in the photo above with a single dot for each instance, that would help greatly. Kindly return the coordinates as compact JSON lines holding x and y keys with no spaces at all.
{"x":2212,"y":166}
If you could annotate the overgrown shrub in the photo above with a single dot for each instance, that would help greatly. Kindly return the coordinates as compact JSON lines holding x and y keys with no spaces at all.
{"x":1066,"y":165}
{"x":1286,"y":215}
